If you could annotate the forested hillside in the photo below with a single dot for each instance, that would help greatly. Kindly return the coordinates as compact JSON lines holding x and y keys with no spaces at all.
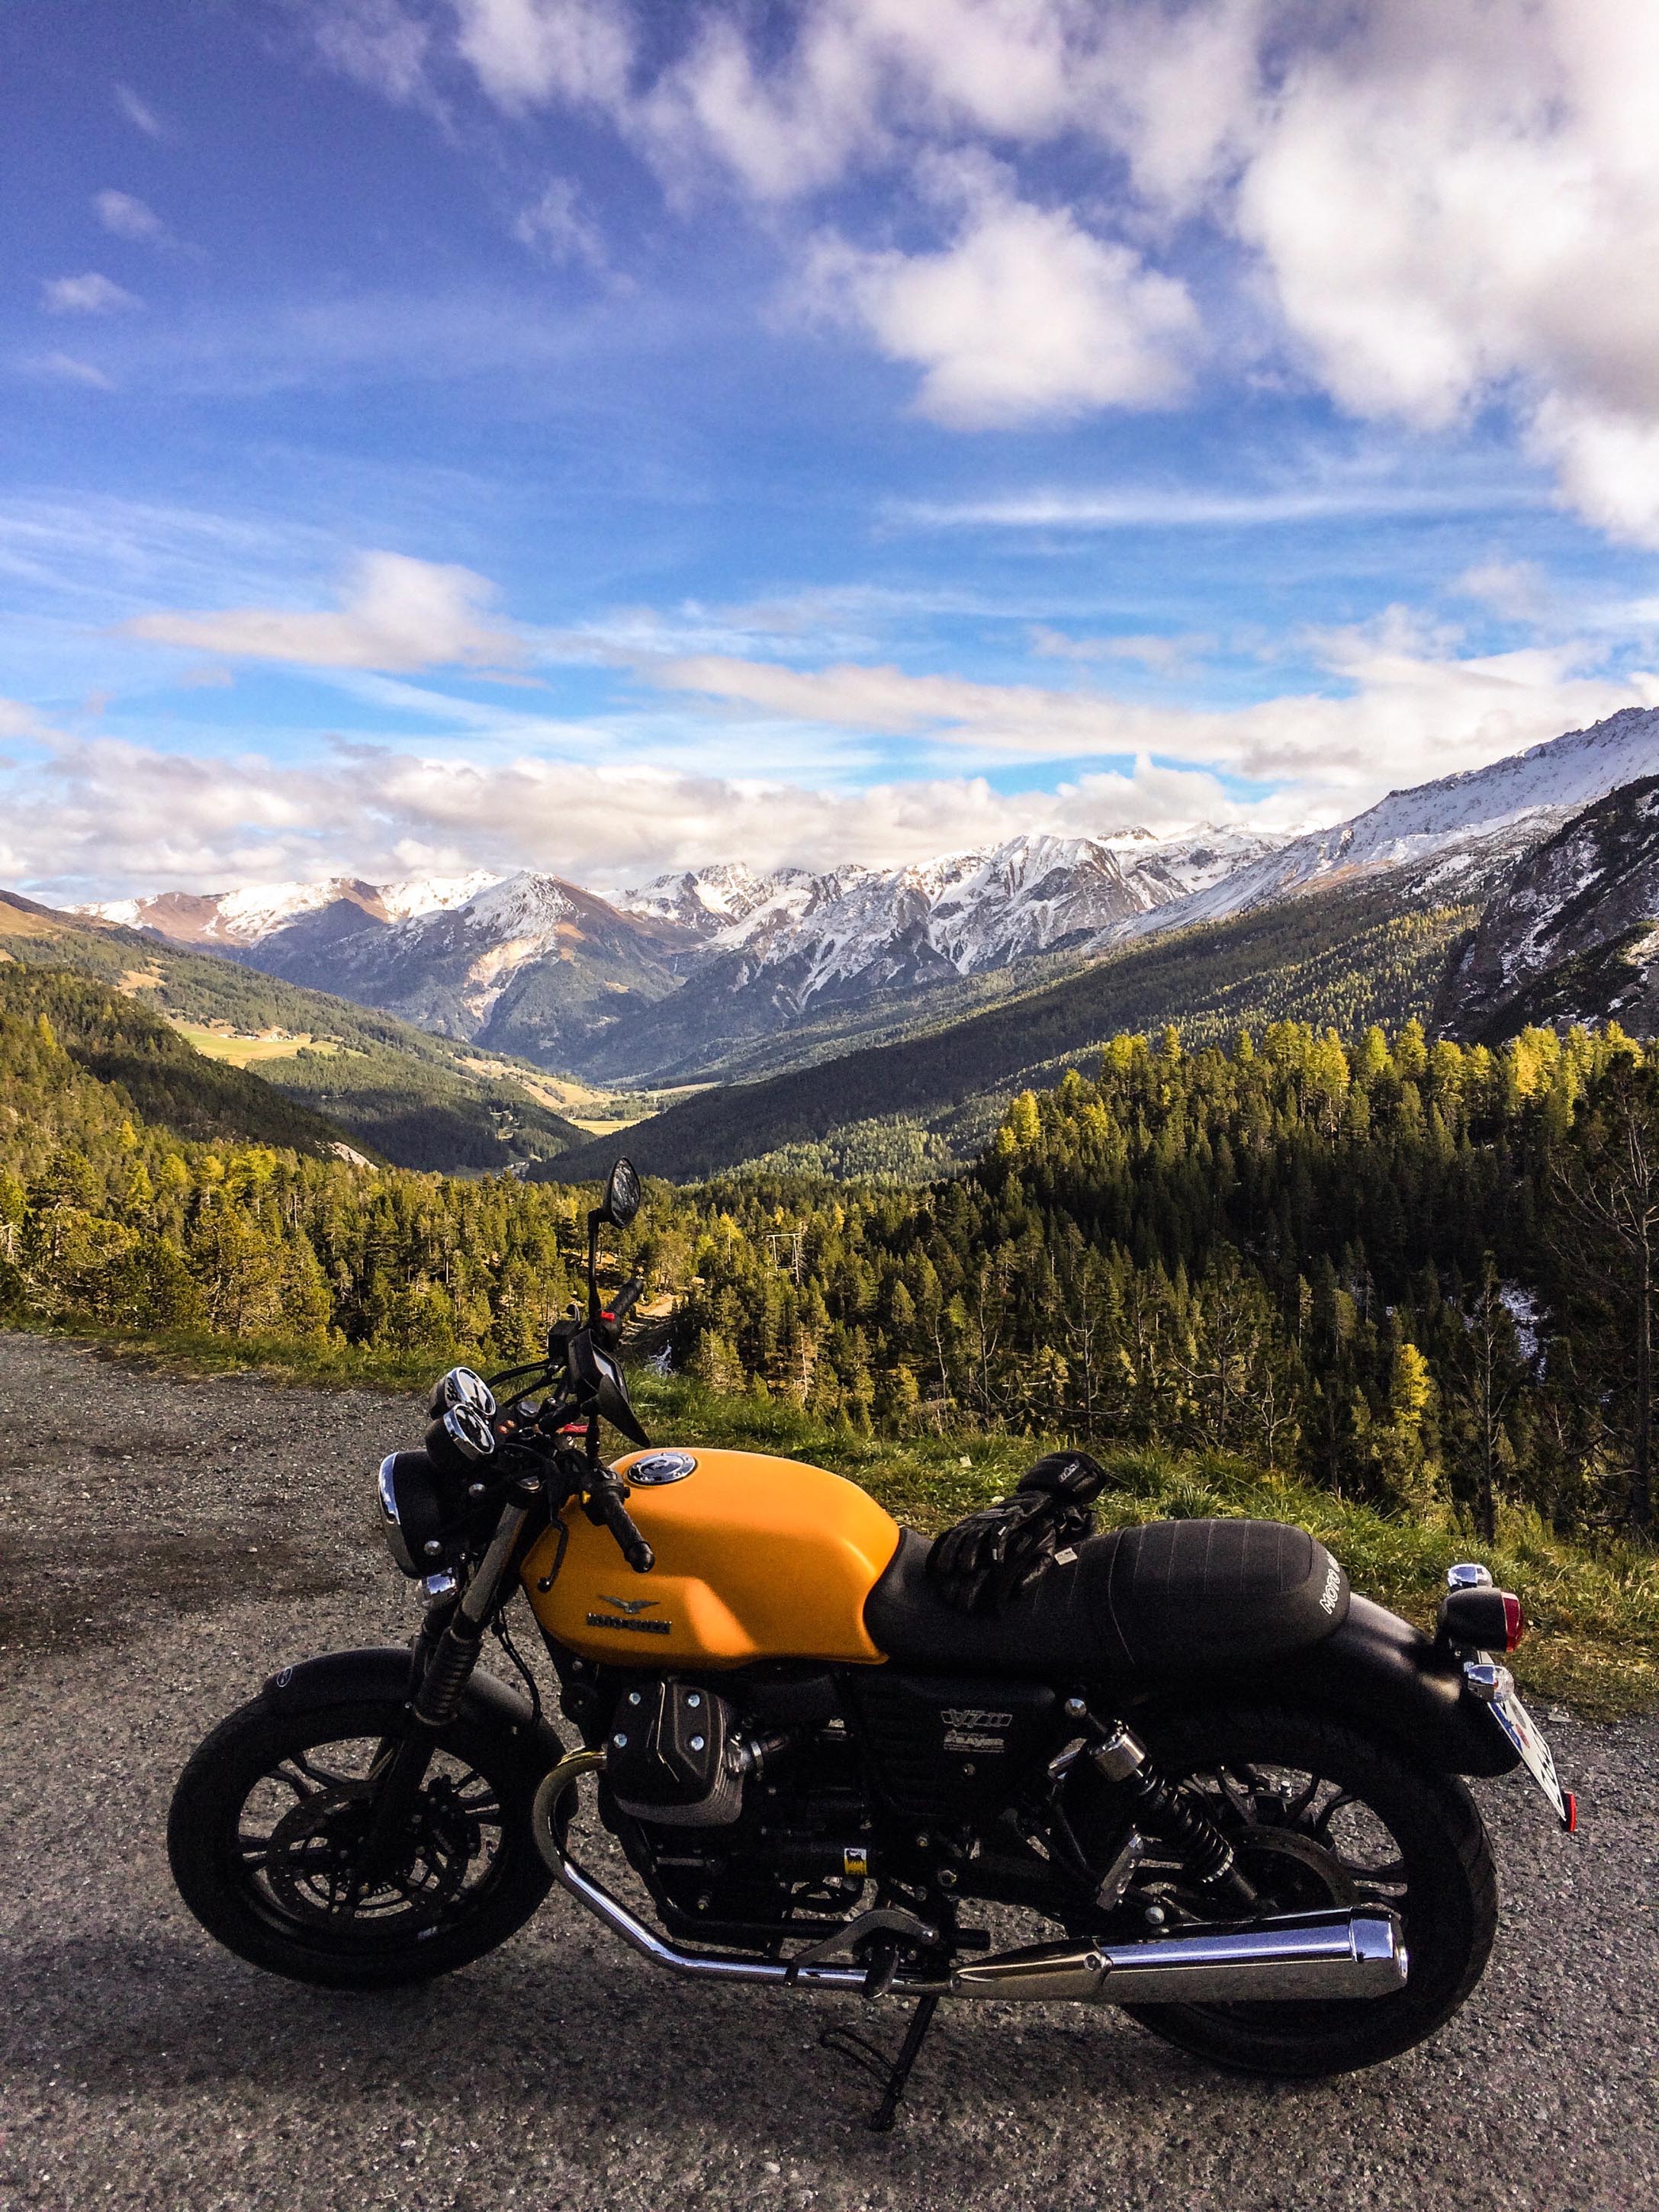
{"x":1418,"y":1275}
{"x":114,"y":1040}
{"x":1345,"y":959}
{"x":393,"y":1089}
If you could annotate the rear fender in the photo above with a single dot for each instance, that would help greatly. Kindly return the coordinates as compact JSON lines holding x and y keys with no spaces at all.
{"x":1378,"y":1670}
{"x":343,"y":1678}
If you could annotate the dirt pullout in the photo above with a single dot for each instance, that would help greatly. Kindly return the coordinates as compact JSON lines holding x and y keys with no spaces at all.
{"x":140,"y":2066}
{"x":129,"y":1497}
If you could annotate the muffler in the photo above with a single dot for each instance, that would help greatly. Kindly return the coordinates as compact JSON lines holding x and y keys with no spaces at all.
{"x":1300,"y":1956}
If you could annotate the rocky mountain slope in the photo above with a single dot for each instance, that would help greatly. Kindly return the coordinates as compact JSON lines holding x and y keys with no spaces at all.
{"x":531,"y":965}
{"x":1517,"y":801}
{"x":689,"y":974}
{"x":414,"y":1099}
{"x":1573,"y":935}
{"x":1343,"y":955}
{"x":231,"y":921}
{"x":654,"y":984}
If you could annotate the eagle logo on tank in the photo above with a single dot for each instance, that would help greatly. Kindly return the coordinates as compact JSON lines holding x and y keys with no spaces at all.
{"x":627,"y":1616}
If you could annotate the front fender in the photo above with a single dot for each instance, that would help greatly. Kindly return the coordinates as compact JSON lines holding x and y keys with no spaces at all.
{"x":1378,"y":1669}
{"x":381,"y":1670}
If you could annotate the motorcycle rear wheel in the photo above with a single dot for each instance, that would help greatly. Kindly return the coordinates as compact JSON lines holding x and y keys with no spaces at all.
{"x":266,"y":1818}
{"x":1378,"y":1830}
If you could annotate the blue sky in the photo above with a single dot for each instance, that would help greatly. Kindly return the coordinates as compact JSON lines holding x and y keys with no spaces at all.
{"x":455,"y":432}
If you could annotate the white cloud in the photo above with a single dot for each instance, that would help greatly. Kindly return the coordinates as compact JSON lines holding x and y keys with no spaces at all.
{"x":1403,"y":708}
{"x":1427,"y":208}
{"x":380,"y":44}
{"x":1025,"y":316}
{"x":130,"y":218}
{"x":527,"y":53}
{"x":101,"y":818}
{"x":19,"y":721}
{"x":1151,"y":650}
{"x":91,"y":295}
{"x":555,"y":225}
{"x":1451,"y":201}
{"x":397,"y":613}
{"x":139,"y":112}
{"x":1518,"y":590}
{"x":67,"y":369}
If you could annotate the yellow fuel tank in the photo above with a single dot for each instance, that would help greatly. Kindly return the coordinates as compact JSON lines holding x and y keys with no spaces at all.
{"x":757,"y":1558}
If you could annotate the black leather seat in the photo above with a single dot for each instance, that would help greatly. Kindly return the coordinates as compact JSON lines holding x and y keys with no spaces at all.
{"x":1169,"y":1597}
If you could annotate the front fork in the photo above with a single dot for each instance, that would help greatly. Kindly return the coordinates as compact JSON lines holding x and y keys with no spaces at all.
{"x":440,"y":1667}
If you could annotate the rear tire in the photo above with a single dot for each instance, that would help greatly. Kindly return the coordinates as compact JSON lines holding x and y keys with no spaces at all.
{"x":260,"y":1839}
{"x":1442,"y":1883}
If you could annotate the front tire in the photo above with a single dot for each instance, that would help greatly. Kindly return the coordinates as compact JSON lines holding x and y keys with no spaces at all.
{"x":1378,"y":1829}
{"x":267,"y":1813}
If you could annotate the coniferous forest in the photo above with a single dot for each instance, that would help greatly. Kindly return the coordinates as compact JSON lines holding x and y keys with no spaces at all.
{"x":1418,"y":1275}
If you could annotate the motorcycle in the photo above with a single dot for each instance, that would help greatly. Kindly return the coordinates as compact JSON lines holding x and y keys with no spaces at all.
{"x":1229,"y":1790}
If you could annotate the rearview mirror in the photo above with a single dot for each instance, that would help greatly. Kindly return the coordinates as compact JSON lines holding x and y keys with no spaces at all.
{"x":622,"y":1195}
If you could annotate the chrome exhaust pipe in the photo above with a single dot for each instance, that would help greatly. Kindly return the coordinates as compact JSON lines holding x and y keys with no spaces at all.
{"x":1302,"y":1955}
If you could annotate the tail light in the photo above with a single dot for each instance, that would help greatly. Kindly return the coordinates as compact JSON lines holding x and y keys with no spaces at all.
{"x":1486,"y":1619}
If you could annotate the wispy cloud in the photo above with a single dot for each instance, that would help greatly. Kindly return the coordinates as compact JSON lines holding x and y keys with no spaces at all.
{"x":396,"y":613}
{"x":1176,"y":508}
{"x":139,"y":112}
{"x":90,"y":295}
{"x":67,"y":369}
{"x":127,"y":217}
{"x":1402,"y":706}
{"x":557,"y":226}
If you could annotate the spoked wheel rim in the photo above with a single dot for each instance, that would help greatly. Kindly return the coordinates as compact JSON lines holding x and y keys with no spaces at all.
{"x":1308,"y":1843}
{"x":301,"y":1823}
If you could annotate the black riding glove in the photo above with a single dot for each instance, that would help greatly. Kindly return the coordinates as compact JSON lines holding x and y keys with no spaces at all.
{"x":1072,"y":1478}
{"x":983,"y":1563}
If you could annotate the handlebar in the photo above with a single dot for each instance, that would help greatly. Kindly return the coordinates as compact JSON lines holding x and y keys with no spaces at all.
{"x":624,"y":1298}
{"x":608,"y":1495}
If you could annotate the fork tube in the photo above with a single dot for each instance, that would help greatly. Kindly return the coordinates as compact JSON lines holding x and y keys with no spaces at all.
{"x":437,"y":1698}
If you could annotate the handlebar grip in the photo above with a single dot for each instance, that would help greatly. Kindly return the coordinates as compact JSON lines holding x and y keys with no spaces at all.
{"x":618,"y":1520}
{"x":625,"y":1297}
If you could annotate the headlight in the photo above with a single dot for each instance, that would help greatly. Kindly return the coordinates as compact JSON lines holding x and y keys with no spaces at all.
{"x":410,"y":1510}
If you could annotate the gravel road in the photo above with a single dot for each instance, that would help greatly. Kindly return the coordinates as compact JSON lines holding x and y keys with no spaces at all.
{"x":168,"y":1542}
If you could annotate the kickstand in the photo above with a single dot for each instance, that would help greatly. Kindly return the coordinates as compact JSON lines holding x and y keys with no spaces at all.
{"x":891,"y":2074}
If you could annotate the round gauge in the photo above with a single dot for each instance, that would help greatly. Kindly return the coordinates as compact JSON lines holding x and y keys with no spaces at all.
{"x":659,"y":1468}
{"x":469,"y":1431}
{"x":462,"y":1387}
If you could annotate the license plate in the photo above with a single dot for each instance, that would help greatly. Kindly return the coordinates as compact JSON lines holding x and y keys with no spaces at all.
{"x":1517,"y":1723}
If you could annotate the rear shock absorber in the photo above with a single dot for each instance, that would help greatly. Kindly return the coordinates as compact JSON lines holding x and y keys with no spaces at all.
{"x":1120,"y":1760}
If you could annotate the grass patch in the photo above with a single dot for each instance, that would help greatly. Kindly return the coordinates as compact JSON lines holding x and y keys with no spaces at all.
{"x":242,"y":1051}
{"x":1593,"y":1609}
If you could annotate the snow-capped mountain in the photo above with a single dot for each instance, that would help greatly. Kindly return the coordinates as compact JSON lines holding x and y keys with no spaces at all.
{"x":663,"y":980}
{"x":1525,"y":796}
{"x":240,"y":918}
{"x":529,"y":964}
{"x":958,"y":914}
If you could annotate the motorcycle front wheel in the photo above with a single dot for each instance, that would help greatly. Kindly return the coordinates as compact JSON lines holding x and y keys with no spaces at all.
{"x":265,"y":1836}
{"x":1321,"y":1814}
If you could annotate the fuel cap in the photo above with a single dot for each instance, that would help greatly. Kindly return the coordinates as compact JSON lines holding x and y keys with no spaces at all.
{"x":659,"y":1468}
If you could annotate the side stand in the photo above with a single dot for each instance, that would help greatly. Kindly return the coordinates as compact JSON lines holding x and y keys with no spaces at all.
{"x":891,"y":2074}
